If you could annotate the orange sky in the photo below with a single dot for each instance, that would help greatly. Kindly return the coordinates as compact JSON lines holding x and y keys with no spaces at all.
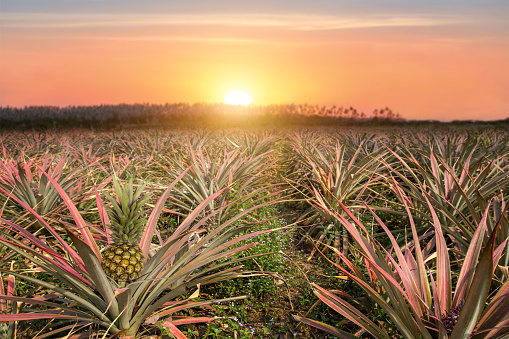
{"x":423,"y":67}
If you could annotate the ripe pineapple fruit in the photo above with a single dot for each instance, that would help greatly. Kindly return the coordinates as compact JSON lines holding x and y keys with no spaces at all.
{"x":123,"y":260}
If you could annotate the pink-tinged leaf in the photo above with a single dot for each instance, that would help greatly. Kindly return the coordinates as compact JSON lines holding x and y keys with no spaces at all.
{"x":464,"y":172}
{"x":496,"y":311}
{"x":429,"y":248}
{"x":47,"y":296}
{"x":209,"y":257}
{"x":27,"y":235}
{"x":437,"y":311}
{"x":173,"y":303}
{"x":498,"y":253}
{"x":470,"y":261}
{"x":230,"y":178}
{"x":434,"y":169}
{"x":147,"y":235}
{"x":371,"y":272}
{"x":501,"y":331}
{"x":361,"y":240}
{"x":412,"y":292}
{"x":448,"y":183}
{"x":184,"y":226}
{"x":54,"y":257}
{"x":174,"y":330}
{"x":192,"y":320}
{"x":167,"y":210}
{"x":424,"y":286}
{"x":477,"y":293}
{"x":34,"y":239}
{"x":60,"y":263}
{"x":395,"y":316}
{"x":324,"y":327}
{"x":177,"y":306}
{"x":444,"y":286}
{"x":412,"y":265}
{"x":120,"y":290}
{"x":347,"y":310}
{"x":375,"y":261}
{"x":389,"y":277}
{"x":104,"y":215}
{"x":78,"y":219}
{"x":35,"y":316}
{"x":28,"y":172}
{"x":2,"y":292}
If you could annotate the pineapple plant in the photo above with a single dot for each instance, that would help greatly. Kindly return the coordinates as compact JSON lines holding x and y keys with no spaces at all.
{"x":123,"y":259}
{"x":122,"y":305}
{"x":414,"y":296}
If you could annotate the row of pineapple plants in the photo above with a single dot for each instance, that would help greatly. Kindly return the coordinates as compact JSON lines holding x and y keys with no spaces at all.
{"x":447,"y":187}
{"x":131,"y":271}
{"x":434,"y":178}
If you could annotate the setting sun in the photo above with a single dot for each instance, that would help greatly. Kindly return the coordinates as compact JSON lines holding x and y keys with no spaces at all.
{"x":238,"y":98}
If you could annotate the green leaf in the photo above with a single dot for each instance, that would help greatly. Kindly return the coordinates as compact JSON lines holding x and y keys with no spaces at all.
{"x":97,"y":275}
{"x":324,"y":327}
{"x":78,"y":219}
{"x":146,"y":238}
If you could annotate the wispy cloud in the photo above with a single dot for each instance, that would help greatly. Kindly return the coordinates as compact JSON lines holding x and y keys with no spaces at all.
{"x":178,"y":39}
{"x":283,"y":21}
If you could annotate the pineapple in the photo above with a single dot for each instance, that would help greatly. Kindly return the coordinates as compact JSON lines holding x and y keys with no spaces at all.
{"x":451,"y":318}
{"x":123,"y":260}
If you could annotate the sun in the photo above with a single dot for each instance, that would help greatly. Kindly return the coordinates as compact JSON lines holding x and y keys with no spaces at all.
{"x":238,"y":98}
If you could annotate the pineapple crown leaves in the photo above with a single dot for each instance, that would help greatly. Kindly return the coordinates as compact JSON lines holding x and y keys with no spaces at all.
{"x":125,"y":212}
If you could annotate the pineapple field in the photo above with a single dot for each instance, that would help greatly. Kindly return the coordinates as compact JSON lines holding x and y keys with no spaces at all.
{"x":388,"y":231}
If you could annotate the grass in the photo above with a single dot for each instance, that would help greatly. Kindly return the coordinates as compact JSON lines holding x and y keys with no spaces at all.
{"x":271,"y":298}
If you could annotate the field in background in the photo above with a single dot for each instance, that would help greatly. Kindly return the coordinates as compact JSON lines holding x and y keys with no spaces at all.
{"x":190,"y":115}
{"x":379,"y":231}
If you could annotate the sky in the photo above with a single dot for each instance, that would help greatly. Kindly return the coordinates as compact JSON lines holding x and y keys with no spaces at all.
{"x":441,"y":60}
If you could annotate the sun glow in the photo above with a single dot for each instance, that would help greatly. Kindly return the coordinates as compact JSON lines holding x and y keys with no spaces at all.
{"x":238,"y":98}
